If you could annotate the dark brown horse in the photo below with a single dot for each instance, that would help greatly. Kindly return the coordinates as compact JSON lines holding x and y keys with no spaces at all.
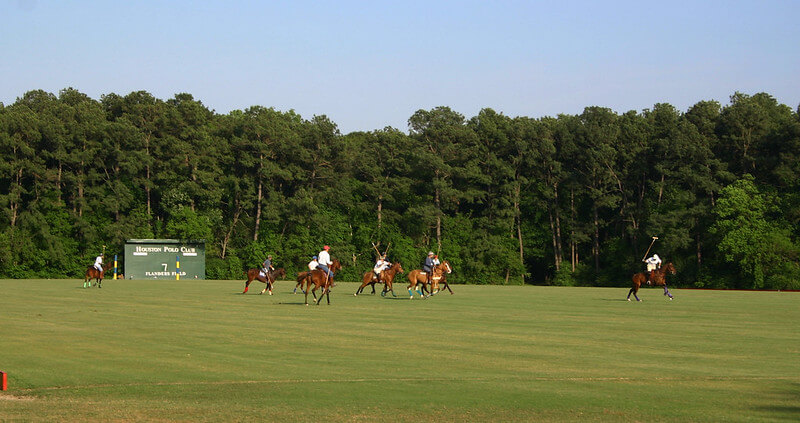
{"x":657,"y":277}
{"x":418,"y":277}
{"x":269,"y":278}
{"x":387,"y":277}
{"x":319,"y":279}
{"x":93,"y":273}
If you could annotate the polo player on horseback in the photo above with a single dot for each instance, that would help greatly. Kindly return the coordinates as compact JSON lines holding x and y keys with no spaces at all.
{"x":381,"y":265}
{"x":266,"y":267}
{"x":652,"y":263}
{"x":324,"y":260}
{"x":98,"y":263}
{"x":428,"y":265}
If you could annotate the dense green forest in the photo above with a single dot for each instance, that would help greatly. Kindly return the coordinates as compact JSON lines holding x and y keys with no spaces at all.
{"x":566,"y":200}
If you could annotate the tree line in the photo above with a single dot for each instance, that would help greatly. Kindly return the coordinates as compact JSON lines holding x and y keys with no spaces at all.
{"x":565,"y":200}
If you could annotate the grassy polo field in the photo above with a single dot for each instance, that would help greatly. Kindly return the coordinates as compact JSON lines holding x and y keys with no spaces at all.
{"x":201,"y":351}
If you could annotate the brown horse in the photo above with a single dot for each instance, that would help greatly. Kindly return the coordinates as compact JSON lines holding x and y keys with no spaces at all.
{"x":447,"y":269}
{"x":93,"y":273}
{"x":437,"y":281}
{"x":319,"y":279}
{"x":418,"y":277}
{"x":269,"y":279}
{"x":387,"y":277}
{"x":657,"y":277}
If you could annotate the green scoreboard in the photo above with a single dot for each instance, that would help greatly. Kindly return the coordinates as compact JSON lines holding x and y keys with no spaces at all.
{"x":165,"y":259}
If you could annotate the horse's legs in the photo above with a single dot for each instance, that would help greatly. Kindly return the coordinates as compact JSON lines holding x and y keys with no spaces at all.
{"x":412,"y":286}
{"x":326,"y":292}
{"x":634,"y":290}
{"x":666,"y":292}
{"x":360,"y":289}
{"x":424,"y":292}
{"x":421,"y":290}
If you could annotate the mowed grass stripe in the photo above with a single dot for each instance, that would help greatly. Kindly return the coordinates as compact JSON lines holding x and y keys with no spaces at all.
{"x":199,"y":350}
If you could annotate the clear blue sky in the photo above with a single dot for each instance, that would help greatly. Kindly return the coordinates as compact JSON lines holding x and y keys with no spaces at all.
{"x":371,"y":64}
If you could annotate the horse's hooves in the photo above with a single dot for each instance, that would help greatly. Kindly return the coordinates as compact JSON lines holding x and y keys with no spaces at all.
{"x":629,"y":299}
{"x":270,"y":292}
{"x":638,"y":300}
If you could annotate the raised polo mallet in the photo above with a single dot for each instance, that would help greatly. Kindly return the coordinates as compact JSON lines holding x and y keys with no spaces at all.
{"x":648,"y":248}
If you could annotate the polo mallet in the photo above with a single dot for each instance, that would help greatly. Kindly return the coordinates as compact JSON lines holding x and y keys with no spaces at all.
{"x":375,"y":247}
{"x":387,"y":249}
{"x":648,"y":248}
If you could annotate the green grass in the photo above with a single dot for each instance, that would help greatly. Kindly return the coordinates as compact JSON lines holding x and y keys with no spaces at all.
{"x":201,"y":351}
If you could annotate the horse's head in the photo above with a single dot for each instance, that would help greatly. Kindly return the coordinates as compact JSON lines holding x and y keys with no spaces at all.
{"x":279,"y":272}
{"x":446,"y":266}
{"x":335,"y":266}
{"x":398,"y":267}
{"x":669,"y":267}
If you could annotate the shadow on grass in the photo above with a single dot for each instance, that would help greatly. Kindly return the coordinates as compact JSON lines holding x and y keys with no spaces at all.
{"x":784,"y":409}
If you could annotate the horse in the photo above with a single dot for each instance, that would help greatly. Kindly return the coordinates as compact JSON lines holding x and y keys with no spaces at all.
{"x":447,"y":269}
{"x":387,"y":277}
{"x":658,"y":278}
{"x":437,"y":280}
{"x":269,"y":278}
{"x":319,"y":279}
{"x":93,"y":273}
{"x":418,"y":277}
